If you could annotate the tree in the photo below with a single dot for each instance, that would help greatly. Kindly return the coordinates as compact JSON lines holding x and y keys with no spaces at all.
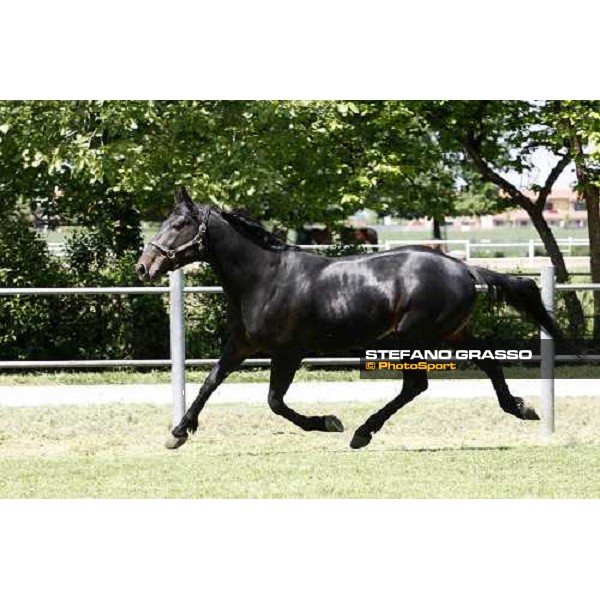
{"x":284,"y":160}
{"x":500,"y":135}
{"x":579,"y":123}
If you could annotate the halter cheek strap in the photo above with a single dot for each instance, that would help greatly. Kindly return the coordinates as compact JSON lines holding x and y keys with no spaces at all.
{"x":197,"y":240}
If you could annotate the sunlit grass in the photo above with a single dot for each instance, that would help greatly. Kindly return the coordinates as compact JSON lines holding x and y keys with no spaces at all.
{"x":197,"y":375}
{"x":431,"y":449}
{"x":253,"y":375}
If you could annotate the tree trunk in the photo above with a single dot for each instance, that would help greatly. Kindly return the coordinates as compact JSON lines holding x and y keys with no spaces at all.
{"x":437,"y":234}
{"x":591,"y":195}
{"x":592,"y":204}
{"x":574,"y":309}
{"x":437,"y":231}
{"x":126,"y":224}
{"x":534,"y":210}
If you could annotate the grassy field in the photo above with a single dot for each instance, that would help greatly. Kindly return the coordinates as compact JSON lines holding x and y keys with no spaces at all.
{"x":499,"y":234}
{"x":432,"y":449}
{"x":257,"y":375}
{"x":193,"y":375}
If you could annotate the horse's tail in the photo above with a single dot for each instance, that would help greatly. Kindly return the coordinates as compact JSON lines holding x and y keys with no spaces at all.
{"x":520,"y":293}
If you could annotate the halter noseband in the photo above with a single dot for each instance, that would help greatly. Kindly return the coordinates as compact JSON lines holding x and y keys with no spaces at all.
{"x":171,"y":253}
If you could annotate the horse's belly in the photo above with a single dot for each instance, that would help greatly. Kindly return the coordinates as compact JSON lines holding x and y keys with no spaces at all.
{"x":354,"y":320}
{"x":325,"y":318}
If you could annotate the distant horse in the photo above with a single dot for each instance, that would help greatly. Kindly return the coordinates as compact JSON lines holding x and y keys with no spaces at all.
{"x":314,"y":236}
{"x":348,"y":236}
{"x":287,"y":303}
{"x":361,"y":235}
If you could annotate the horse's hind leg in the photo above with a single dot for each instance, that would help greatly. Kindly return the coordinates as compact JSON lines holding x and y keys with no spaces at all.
{"x":415,"y":329}
{"x":283,"y":370}
{"x":510,"y":404}
{"x":415,"y":382}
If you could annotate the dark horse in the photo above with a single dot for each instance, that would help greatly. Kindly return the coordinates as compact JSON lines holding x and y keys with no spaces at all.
{"x":285,"y":302}
{"x":348,"y":235}
{"x":360,"y":235}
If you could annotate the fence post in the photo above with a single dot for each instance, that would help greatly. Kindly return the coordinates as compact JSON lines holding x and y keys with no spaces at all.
{"x":547,"y":352}
{"x":531,"y":251}
{"x":177,"y":344}
{"x":467,"y":250}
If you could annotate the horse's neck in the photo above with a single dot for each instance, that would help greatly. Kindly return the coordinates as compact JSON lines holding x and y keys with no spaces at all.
{"x":239,"y":263}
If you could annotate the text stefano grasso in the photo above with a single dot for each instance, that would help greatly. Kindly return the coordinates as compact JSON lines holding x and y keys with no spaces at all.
{"x":448,"y":354}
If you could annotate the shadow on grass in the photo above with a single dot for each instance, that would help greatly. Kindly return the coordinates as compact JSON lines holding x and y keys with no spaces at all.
{"x":399,"y":450}
{"x":446,"y":449}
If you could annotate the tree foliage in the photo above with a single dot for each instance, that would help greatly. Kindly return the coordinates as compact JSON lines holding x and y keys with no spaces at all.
{"x":501,"y":136}
{"x":109,"y":164}
{"x":289,"y":161}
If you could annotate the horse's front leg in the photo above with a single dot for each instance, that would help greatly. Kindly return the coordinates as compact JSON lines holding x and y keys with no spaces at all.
{"x":234,"y":354}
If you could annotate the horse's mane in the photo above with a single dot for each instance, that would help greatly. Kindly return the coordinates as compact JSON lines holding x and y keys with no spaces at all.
{"x":255,"y":232}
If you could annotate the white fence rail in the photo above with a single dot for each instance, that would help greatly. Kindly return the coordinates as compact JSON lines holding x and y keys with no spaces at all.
{"x":468,"y":247}
{"x":178,"y":361}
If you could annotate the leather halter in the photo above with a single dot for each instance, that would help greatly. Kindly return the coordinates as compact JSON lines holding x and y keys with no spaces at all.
{"x":198,"y":239}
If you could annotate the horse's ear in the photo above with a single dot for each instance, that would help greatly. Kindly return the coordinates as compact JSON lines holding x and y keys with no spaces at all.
{"x":182,"y":197}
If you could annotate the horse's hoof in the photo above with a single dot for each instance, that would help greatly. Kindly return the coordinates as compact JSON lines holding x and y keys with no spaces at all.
{"x":528,"y":413}
{"x":333,"y":424}
{"x":360,"y":441}
{"x":173,"y":442}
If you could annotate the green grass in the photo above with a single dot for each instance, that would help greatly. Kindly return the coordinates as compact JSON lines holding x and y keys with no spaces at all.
{"x":126,"y":376}
{"x":499,"y":234}
{"x":432,"y":449}
{"x":256,"y":375}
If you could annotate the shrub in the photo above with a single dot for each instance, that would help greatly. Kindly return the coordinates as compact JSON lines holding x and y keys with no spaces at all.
{"x":25,"y":262}
{"x":500,"y":322}
{"x":113,"y":326}
{"x":344,"y":250}
{"x":137,"y":326}
{"x":205,"y":316}
{"x":73,"y":326}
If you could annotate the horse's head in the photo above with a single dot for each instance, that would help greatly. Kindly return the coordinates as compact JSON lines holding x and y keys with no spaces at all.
{"x":180,"y":241}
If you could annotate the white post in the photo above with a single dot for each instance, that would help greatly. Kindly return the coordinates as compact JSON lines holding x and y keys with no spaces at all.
{"x":467,"y":250}
{"x":547,"y":352}
{"x":177,"y":344}
{"x":531,"y":251}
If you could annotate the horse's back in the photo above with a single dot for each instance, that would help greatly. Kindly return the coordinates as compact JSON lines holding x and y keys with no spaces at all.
{"x":388,"y":283}
{"x":351,"y":299}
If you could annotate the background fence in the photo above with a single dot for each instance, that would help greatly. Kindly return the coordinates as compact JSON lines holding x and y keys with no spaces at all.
{"x":178,"y":361}
{"x":468,"y":248}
